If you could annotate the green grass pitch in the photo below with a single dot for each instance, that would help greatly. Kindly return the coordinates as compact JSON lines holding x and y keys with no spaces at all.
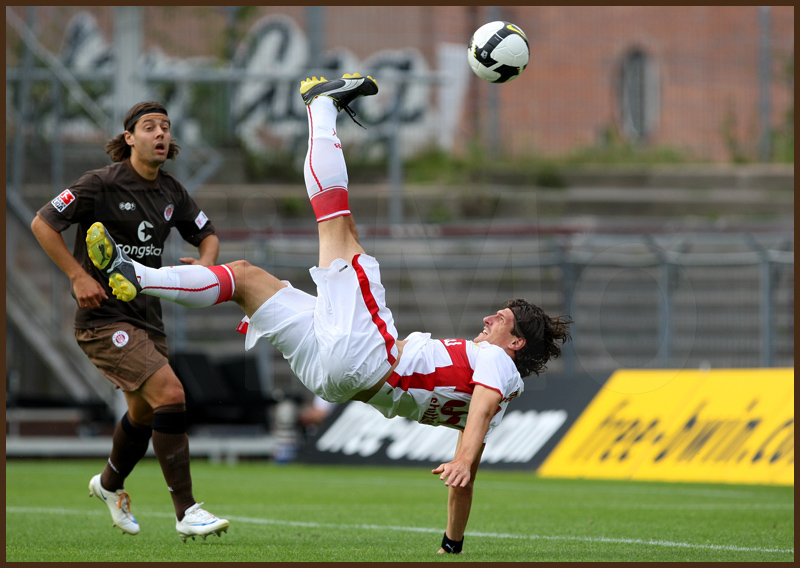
{"x":334,"y":513}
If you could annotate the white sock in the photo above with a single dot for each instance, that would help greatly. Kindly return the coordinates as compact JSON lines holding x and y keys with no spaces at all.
{"x":192,"y":285}
{"x":324,"y":169}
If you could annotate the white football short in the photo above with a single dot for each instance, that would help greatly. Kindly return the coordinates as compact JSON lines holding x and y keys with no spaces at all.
{"x":338,"y":343}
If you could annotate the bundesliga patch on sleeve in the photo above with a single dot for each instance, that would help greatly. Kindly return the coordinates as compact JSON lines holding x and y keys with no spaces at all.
{"x":63,"y":200}
{"x":201,"y":220}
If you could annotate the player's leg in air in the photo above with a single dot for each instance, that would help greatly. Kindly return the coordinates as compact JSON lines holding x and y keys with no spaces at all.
{"x":326,"y":178}
{"x":324,"y":169}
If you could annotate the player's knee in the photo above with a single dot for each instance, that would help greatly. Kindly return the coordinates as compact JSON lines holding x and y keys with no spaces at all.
{"x":164,"y":387}
{"x":240,"y":267}
{"x":252,"y":284}
{"x":139,"y":415}
{"x":244,"y":271}
{"x":173,"y":394}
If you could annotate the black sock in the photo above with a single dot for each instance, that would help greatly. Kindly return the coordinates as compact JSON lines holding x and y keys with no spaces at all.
{"x":171,"y":445}
{"x":130,"y":442}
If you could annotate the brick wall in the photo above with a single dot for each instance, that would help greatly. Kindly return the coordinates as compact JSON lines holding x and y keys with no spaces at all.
{"x":706,"y":58}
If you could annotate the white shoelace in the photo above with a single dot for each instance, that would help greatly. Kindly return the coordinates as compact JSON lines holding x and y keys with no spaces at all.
{"x":198,"y":514}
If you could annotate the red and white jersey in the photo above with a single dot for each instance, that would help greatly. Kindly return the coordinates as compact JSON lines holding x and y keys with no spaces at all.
{"x":434,"y":381}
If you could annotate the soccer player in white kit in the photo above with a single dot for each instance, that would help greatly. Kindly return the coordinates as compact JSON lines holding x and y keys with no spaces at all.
{"x":342,"y":343}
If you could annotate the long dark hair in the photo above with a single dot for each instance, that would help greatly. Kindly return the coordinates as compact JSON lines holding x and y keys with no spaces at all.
{"x":543,"y":335}
{"x":118,"y":149}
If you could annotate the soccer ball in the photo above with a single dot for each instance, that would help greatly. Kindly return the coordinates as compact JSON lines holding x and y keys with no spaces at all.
{"x":498,"y":52}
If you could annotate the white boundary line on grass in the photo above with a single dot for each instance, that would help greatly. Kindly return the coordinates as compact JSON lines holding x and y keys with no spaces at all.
{"x":663,"y":543}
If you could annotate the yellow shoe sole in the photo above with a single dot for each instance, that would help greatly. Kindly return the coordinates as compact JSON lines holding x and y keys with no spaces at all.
{"x":308,"y":83}
{"x":122,"y":288}
{"x":98,"y":245}
{"x":100,"y":249}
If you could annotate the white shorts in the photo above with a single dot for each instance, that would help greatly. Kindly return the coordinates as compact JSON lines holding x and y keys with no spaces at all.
{"x":338,"y":343}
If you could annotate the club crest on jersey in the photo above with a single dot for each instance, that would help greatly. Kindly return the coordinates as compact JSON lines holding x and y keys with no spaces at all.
{"x":120,"y":338}
{"x":169,"y":211}
{"x":201,"y":220}
{"x":63,"y":200}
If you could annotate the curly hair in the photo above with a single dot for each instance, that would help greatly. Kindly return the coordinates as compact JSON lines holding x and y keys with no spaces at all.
{"x":543,"y":336}
{"x":118,"y":149}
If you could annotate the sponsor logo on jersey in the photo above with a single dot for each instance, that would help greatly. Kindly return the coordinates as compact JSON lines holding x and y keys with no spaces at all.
{"x":170,"y":209}
{"x":63,"y":200}
{"x":431,"y":413}
{"x":127,"y":206}
{"x":201,"y":220}
{"x":142,"y":251}
{"x":435,"y":415}
{"x":141,"y":231}
{"x":120,"y":338}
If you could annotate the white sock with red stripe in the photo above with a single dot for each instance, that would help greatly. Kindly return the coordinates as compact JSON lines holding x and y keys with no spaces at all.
{"x":192,"y":285}
{"x":324,"y":168}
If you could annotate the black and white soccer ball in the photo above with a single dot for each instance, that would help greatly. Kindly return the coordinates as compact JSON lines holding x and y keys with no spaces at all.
{"x":498,"y":52}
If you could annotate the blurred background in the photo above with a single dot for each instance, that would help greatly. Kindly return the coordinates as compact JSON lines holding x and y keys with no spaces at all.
{"x":637,"y":176}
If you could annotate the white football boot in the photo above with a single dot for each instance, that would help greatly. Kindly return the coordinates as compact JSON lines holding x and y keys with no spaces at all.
{"x":199,"y":522}
{"x":119,"y":503}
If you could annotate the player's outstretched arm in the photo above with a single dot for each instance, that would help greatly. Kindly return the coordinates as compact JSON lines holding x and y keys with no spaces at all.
{"x":459,"y":474}
{"x":88,"y":291}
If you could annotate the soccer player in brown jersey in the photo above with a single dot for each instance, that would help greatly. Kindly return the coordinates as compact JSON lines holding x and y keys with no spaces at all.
{"x":126,"y":340}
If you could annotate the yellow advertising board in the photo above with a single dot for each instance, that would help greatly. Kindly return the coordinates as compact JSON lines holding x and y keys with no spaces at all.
{"x":726,"y":425}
